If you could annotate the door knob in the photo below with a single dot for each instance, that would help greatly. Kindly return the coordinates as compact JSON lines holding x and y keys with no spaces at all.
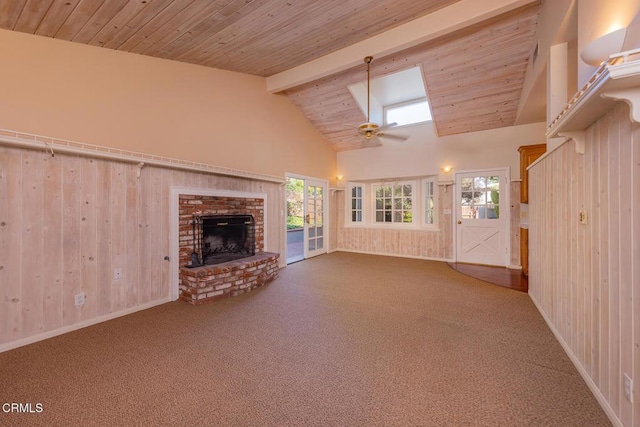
{"x":459,"y":222}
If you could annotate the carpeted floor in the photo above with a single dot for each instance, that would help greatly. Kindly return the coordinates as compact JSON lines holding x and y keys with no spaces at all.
{"x":338,"y":340}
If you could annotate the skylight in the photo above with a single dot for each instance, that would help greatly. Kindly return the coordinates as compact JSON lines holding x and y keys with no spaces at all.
{"x":398,"y":97}
{"x":408,"y":113}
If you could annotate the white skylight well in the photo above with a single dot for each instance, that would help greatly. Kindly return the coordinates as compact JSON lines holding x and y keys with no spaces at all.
{"x":397,"y":97}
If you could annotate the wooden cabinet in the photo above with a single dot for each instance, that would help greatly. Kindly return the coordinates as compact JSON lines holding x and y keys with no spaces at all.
{"x":528,"y":155}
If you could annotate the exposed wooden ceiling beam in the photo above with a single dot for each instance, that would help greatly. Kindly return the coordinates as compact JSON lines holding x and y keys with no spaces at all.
{"x":439,"y":23}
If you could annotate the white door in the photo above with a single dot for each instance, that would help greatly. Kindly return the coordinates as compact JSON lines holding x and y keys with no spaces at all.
{"x":482,"y":232}
{"x":315,"y":241}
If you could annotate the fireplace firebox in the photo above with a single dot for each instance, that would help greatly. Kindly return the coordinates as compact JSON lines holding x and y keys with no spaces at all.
{"x":223,"y":238}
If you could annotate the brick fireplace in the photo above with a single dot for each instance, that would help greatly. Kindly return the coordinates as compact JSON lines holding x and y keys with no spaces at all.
{"x":200,"y":284}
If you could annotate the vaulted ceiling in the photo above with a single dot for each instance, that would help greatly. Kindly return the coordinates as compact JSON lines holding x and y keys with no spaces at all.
{"x":474,"y":75}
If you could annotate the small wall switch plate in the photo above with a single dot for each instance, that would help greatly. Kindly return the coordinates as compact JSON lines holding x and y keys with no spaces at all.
{"x":583,"y":217}
{"x":117,"y":273}
{"x":79,"y":299}
{"x":628,"y":387}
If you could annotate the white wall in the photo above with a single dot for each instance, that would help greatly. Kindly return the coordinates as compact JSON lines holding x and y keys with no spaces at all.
{"x":425,"y":154}
{"x":597,"y":18}
{"x":93,"y":95}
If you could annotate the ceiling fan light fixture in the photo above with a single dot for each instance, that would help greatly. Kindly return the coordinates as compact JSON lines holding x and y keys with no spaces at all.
{"x":370,"y":129}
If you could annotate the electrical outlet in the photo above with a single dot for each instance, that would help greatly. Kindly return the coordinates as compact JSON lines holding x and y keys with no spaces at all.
{"x":583,"y":217}
{"x":117,"y":273}
{"x":79,"y":299}
{"x":628,"y":387}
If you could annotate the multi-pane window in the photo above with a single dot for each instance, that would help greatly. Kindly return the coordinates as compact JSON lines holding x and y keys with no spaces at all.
{"x":480,"y":197}
{"x":429,"y":192}
{"x":356,"y":203}
{"x":393,"y":203}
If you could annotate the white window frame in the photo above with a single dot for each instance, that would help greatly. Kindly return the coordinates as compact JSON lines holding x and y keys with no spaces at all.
{"x":433,"y":180}
{"x":415,"y":222}
{"x":348,"y":220}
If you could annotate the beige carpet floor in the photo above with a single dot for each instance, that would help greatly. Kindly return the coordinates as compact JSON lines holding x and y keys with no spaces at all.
{"x":339,"y":340}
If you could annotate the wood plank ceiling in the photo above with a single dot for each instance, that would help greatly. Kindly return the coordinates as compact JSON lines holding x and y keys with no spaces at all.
{"x":260,"y":37}
{"x":474,"y":76}
{"x":474,"y":80}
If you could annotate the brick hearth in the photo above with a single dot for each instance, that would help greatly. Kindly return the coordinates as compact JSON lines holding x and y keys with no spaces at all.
{"x":210,"y":283}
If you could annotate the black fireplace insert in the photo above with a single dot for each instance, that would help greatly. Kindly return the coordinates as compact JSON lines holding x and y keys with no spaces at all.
{"x":224,"y":238}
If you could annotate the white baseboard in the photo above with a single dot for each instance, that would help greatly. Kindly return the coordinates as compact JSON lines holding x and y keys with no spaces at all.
{"x":514,"y":267}
{"x":63,"y":330}
{"x":585,"y":375}
{"x":395,"y":255}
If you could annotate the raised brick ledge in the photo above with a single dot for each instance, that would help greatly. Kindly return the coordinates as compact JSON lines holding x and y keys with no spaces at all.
{"x":213,"y":282}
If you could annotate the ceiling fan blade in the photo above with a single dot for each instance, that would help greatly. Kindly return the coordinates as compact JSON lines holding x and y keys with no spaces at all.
{"x":394,"y":137}
{"x":388,"y":125}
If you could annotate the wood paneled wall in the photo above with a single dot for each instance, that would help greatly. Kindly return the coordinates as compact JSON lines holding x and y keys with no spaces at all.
{"x":585,"y":278}
{"x":410,"y":243}
{"x":66,"y":222}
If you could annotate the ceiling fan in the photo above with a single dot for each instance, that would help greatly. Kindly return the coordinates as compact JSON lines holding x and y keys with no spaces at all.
{"x":370,"y":129}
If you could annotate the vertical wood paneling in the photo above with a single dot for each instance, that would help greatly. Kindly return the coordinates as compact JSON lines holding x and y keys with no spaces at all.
{"x":604,"y":256}
{"x":635,"y":270}
{"x":11,"y":243}
{"x":130,"y":267}
{"x":596,"y":255}
{"x":67,"y":221}
{"x":103,"y":214}
{"x":588,"y":293}
{"x":578,"y":258}
{"x":118,"y":248}
{"x":144,"y":238}
{"x":52,"y":243}
{"x":155,"y":238}
{"x":625,"y":264}
{"x":89,"y":238}
{"x":71,"y":191}
{"x":614,"y":259}
{"x":32,"y":242}
{"x":165,"y":226}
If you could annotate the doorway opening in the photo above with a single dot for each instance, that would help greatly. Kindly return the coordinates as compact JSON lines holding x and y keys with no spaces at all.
{"x":482,"y":212}
{"x":295,"y":219}
{"x":306,"y":217}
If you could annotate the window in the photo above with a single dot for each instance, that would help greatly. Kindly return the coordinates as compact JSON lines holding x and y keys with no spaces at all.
{"x":408,"y":113}
{"x":393,"y":203}
{"x":356,"y":202}
{"x":429,"y":192}
{"x":480,"y":197}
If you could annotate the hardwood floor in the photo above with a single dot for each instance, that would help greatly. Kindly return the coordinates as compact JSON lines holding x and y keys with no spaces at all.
{"x":501,"y":276}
